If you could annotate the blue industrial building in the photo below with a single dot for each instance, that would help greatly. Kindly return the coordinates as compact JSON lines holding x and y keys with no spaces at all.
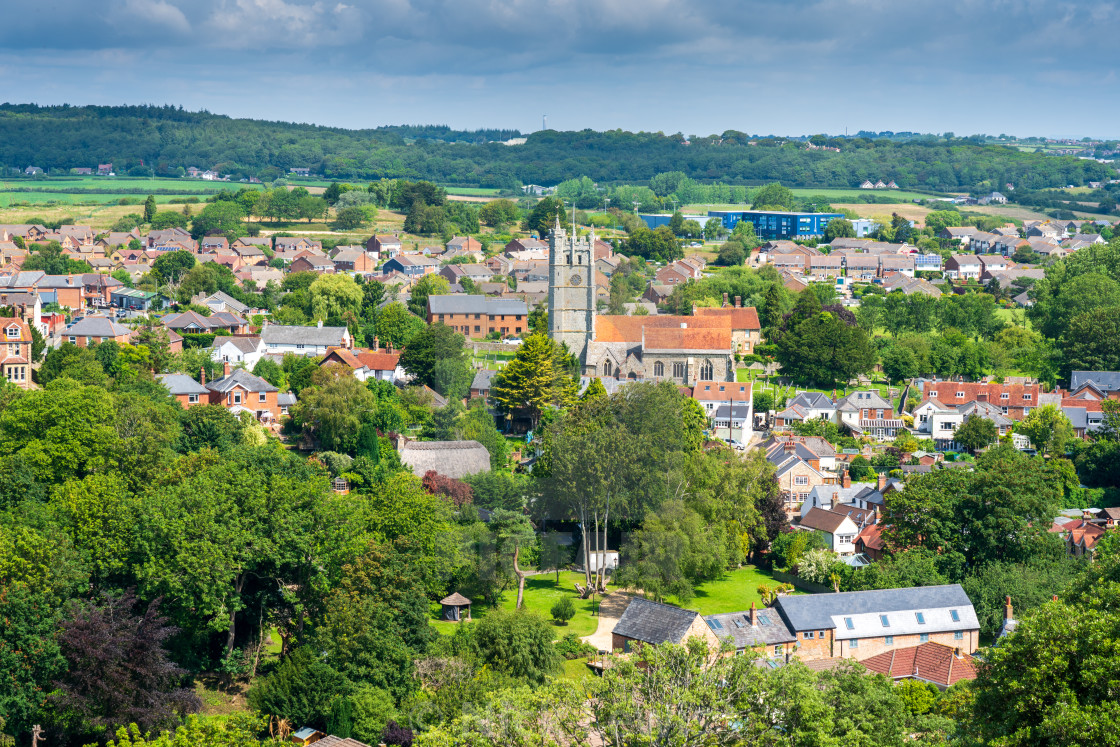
{"x":777,"y":224}
{"x":656,"y":220}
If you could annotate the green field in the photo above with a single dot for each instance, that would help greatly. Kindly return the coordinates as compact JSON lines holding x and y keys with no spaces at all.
{"x":732,"y":593}
{"x":123,"y":183}
{"x":473,"y":191}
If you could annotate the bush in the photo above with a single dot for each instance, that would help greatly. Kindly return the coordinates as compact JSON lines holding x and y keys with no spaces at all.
{"x":563,"y":610}
{"x":571,"y":647}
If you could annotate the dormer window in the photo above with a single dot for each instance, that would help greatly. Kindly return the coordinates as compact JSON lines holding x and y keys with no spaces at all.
{"x":1005,"y":395}
{"x":1027,"y":397}
{"x":13,"y":332}
{"x":960,"y":394}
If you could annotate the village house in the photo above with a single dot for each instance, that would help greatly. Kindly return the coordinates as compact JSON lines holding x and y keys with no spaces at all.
{"x":963,"y":267}
{"x":798,"y":471}
{"x":298,"y":244}
{"x":240,"y":391}
{"x":245,"y":350}
{"x":1013,"y":400}
{"x":866,"y":498}
{"x":318,"y":340}
{"x":93,"y":330}
{"x":384,"y":246}
{"x":376,"y":364}
{"x":861,"y":624}
{"x":475,"y":273}
{"x":411,"y":265}
{"x":351,"y":260}
{"x":759,"y":630}
{"x":186,"y":391}
{"x":805,"y":406}
{"x":312,"y":263}
{"x":478,"y":316}
{"x":746,"y":330}
{"x":646,"y":622}
{"x":15,"y":360}
{"x":838,"y":529}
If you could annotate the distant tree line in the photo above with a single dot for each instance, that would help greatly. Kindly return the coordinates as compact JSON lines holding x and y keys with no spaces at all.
{"x":164,"y":139}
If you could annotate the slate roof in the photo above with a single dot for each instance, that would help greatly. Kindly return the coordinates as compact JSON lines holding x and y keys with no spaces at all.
{"x":239,"y":377}
{"x":813,"y":401}
{"x":454,"y":459}
{"x":292,"y":335}
{"x":654,"y":622}
{"x":244,"y":344}
{"x":182,"y":384}
{"x":96,"y":326}
{"x":822,"y":520}
{"x":482,"y":379}
{"x":860,"y":400}
{"x":827,"y":611}
{"x":468,"y":304}
{"x":231,"y":303}
{"x":736,"y":627}
{"x":1106,"y":381}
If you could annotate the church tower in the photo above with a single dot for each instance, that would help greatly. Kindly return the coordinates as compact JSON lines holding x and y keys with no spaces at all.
{"x":571,"y":290}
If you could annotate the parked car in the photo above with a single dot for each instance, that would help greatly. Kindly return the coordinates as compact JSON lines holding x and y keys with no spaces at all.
{"x":512,"y":341}
{"x":736,"y":445}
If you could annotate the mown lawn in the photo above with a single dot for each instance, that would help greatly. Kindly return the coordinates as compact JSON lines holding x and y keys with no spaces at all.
{"x":541,"y":592}
{"x":732,"y":593}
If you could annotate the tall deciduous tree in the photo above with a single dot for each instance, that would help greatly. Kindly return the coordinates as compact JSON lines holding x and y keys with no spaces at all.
{"x":434,"y":343}
{"x":1048,"y":429}
{"x":118,"y":671}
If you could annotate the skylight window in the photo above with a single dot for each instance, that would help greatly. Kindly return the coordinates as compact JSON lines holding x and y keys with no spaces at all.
{"x":716,"y":624}
{"x":955,"y":615}
{"x":883,"y":619}
{"x":849,"y":624}
{"x":921,"y":617}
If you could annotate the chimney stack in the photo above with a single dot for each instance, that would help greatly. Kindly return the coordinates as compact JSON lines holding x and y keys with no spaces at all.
{"x":725,"y":304}
{"x":789,"y":447}
{"x":1008,"y":612}
{"x":738,"y":302}
{"x":376,"y":344}
{"x":202,"y":375}
{"x":225,"y":368}
{"x":754,"y":616}
{"x":320,"y":324}
{"x":846,"y":481}
{"x":882,"y":481}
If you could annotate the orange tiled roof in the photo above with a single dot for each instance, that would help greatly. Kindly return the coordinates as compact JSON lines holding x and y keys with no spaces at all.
{"x":629,"y":328}
{"x":932,"y":662}
{"x":687,"y":339}
{"x":872,"y":536}
{"x":722,"y":390}
{"x":738,"y":318}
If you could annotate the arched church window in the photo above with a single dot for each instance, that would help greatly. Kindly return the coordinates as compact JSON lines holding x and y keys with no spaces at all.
{"x":678,"y":370}
{"x":658,"y":369}
{"x":606,"y":368}
{"x":706,"y":371}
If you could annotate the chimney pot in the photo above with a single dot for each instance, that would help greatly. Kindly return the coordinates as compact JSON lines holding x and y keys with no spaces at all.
{"x":882,"y":481}
{"x":725,"y":299}
{"x":202,"y":375}
{"x":1008,"y":611}
{"x":846,"y":481}
{"x":754,"y":616}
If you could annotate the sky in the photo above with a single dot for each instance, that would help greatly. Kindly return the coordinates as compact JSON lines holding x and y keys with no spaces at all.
{"x":784,"y":67}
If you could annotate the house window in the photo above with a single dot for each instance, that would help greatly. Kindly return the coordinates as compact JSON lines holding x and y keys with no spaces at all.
{"x":883,"y":619}
{"x":923,"y":638}
{"x":920,"y":617}
{"x":854,"y":643}
{"x":192,"y":399}
{"x":849,"y":624}
{"x":778,"y":650}
{"x":955,"y":615}
{"x":13,"y":333}
{"x":958,"y":635}
{"x":441,"y":317}
{"x":477,"y":316}
{"x":262,"y":397}
{"x":237,"y":398}
{"x":1026,"y":398}
{"x":801,"y":480}
{"x":299,"y":346}
{"x":658,"y":369}
{"x":606,"y":368}
{"x":889,"y":640}
{"x":476,"y":327}
{"x":1005,"y":395}
{"x":808,"y":635}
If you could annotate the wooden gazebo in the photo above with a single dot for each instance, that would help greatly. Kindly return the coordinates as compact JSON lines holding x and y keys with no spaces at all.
{"x":453,"y":607}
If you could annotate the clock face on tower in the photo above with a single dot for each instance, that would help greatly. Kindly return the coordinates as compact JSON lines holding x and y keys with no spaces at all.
{"x":576,"y":279}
